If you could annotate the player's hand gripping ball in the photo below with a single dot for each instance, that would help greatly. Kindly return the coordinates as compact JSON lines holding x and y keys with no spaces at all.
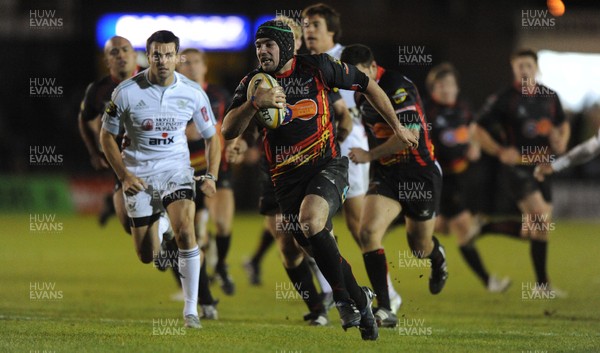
{"x":271,"y":118}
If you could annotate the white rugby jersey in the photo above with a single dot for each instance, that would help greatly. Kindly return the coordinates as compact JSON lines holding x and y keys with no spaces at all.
{"x":154,"y":119}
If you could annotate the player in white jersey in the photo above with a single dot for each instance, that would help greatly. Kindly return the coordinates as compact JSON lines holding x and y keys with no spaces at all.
{"x":580,"y":154}
{"x":322,"y":32}
{"x":154,"y":107}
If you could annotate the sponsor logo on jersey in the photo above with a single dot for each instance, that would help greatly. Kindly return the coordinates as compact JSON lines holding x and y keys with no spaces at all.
{"x":147,"y":124}
{"x":340,"y":63}
{"x":533,"y":128}
{"x":141,"y":105}
{"x":304,"y":109}
{"x":182,"y":103}
{"x":400,"y":95}
{"x":111,"y":109}
{"x":452,"y":137}
{"x":131,"y":203}
{"x":425,"y":213}
{"x":166,"y":140}
{"x":167,"y":122}
{"x":205,"y":114}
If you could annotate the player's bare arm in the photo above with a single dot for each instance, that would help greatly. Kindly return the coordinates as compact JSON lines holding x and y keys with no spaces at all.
{"x":389,"y":147}
{"x":89,"y":133}
{"x":559,"y":137}
{"x":580,"y":154}
{"x":381,"y":102}
{"x":474,"y":151}
{"x":235,"y":149}
{"x":131,"y":183}
{"x":510,"y":155}
{"x":213,"y":150}
{"x":237,"y":119}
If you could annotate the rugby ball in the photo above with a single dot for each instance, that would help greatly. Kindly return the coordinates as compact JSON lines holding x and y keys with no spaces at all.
{"x":270,"y":118}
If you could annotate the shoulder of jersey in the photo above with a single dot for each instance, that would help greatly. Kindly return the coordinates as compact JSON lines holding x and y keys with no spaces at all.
{"x":395,"y":79}
{"x":503,"y":96}
{"x":130,"y":82}
{"x":95,"y":84}
{"x":313,"y":59}
{"x":251,"y":74}
{"x":101,"y":81}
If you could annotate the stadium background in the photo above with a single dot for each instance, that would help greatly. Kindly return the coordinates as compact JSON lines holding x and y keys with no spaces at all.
{"x":476,"y":36}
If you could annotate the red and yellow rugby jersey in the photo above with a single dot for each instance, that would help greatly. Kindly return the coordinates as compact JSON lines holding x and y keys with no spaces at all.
{"x":408,"y":107}
{"x":306,"y":139}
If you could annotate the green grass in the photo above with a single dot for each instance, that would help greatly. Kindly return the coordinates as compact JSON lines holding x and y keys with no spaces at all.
{"x":109,"y":299}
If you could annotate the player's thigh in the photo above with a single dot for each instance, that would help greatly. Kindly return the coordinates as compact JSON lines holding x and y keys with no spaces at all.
{"x":378,"y":213}
{"x":353,"y":206}
{"x":534,"y":203}
{"x":177,"y":196}
{"x":461,"y":225}
{"x":324,"y":195}
{"x":143,"y":210}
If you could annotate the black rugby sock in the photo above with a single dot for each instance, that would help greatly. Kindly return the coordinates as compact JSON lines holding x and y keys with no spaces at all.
{"x":173,"y":254}
{"x":204,"y":295}
{"x":176,"y":275}
{"x":376,"y":265}
{"x":109,"y":204}
{"x":302,"y":280}
{"x":266,"y":240}
{"x":356,"y":293}
{"x":471,"y":256}
{"x":328,"y":258}
{"x":539,"y":251}
{"x":436,"y":256}
{"x":223,"y":244}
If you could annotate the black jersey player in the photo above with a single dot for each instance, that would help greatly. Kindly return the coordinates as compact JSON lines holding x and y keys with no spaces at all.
{"x":531,"y":124}
{"x":120,"y":59}
{"x":402,"y":179}
{"x":309,"y":176}
{"x":452,"y":128}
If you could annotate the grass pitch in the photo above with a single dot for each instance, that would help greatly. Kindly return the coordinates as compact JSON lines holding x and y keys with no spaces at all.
{"x":71,"y":286}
